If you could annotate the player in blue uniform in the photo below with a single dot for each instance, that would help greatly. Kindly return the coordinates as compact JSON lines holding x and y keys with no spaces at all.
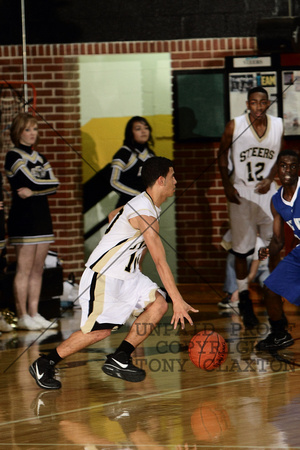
{"x":284,"y":280}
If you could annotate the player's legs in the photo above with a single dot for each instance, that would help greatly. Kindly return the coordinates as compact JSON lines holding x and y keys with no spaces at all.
{"x":241,"y":270}
{"x":230,"y":285}
{"x":150,"y":298}
{"x":244,"y":232}
{"x":245,"y":304}
{"x":278,"y":337}
{"x":274,"y":305}
{"x":43,"y":369}
{"x":283,"y":282}
{"x":147,"y":321}
{"x":78,"y":341}
{"x":104,"y":306}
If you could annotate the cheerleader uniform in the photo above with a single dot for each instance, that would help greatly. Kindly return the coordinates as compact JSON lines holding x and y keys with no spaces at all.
{"x":126,"y":167}
{"x":29,"y":219}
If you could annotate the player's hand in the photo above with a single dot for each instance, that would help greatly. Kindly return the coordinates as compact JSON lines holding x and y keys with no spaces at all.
{"x":263,"y":253}
{"x":24,"y":192}
{"x":180,"y":313}
{"x":263,"y":186}
{"x":232,"y":194}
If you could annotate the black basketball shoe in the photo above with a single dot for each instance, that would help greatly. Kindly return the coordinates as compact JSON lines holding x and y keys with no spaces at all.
{"x":119,"y":365}
{"x":276,"y":340}
{"x":43,"y":372}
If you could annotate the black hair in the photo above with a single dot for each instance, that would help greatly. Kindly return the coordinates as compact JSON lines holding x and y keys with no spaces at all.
{"x":288,"y":152}
{"x":155,"y":167}
{"x":128,"y":139}
{"x":257,"y":89}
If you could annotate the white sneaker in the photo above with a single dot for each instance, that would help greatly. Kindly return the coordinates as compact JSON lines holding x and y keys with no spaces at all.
{"x":4,"y":326}
{"x":27,"y":323}
{"x":43,"y":323}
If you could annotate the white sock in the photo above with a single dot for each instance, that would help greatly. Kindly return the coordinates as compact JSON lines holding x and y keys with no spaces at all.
{"x":242,"y":284}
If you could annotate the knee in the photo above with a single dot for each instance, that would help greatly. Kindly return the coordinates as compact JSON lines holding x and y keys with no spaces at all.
{"x":37,"y":272}
{"x":98,"y":335}
{"x":22,"y":274}
{"x":162,"y":304}
{"x":273,"y":300}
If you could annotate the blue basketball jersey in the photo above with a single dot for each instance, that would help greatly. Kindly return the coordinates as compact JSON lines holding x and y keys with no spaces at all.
{"x":289,"y":211}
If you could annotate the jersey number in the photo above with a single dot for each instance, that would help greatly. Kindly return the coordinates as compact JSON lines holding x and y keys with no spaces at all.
{"x":253,"y":172}
{"x":134,"y":258}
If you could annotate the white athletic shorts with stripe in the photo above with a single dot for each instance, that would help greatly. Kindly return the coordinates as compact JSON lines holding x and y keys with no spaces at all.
{"x":251,"y":218}
{"x":107,"y":302}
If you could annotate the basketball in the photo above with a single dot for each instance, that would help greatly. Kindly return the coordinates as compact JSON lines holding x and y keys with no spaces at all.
{"x":209,"y":422}
{"x":207,"y":350}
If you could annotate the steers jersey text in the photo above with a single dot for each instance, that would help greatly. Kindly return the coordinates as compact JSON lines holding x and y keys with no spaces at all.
{"x":257,"y":152}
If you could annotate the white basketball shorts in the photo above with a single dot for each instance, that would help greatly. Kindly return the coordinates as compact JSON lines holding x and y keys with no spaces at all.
{"x":250,"y":219}
{"x":107,"y":302}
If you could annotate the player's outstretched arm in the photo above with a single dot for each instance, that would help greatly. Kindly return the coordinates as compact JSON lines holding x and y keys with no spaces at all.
{"x":149,"y":226}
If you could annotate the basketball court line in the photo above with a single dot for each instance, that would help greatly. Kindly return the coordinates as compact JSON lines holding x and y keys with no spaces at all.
{"x":144,"y":397}
{"x":150,"y":446}
{"x":169,"y":446}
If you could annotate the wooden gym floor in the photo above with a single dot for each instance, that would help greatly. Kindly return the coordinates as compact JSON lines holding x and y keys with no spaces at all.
{"x":251,"y":402}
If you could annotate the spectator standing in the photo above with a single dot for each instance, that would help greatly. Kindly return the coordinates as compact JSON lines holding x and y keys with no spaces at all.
{"x":29,"y":224}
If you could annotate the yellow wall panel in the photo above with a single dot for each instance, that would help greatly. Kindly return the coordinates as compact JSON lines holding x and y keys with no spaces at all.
{"x":102,"y":137}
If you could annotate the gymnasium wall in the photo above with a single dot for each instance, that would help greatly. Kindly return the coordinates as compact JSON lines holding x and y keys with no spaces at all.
{"x":51,"y":21}
{"x":200,"y":211}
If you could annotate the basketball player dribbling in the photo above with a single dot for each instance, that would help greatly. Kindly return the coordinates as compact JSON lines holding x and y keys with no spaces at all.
{"x":112,"y":285}
{"x":252,"y":142}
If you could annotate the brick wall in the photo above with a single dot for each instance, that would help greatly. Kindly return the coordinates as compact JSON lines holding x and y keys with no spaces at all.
{"x":54,"y":72}
{"x":201,"y":211}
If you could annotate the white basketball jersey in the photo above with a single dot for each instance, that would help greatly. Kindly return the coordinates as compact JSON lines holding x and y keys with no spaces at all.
{"x":119,"y":251}
{"x":253,"y":157}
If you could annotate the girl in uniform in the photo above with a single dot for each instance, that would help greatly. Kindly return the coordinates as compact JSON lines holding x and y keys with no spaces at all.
{"x":29,"y":224}
{"x":127,"y":163}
